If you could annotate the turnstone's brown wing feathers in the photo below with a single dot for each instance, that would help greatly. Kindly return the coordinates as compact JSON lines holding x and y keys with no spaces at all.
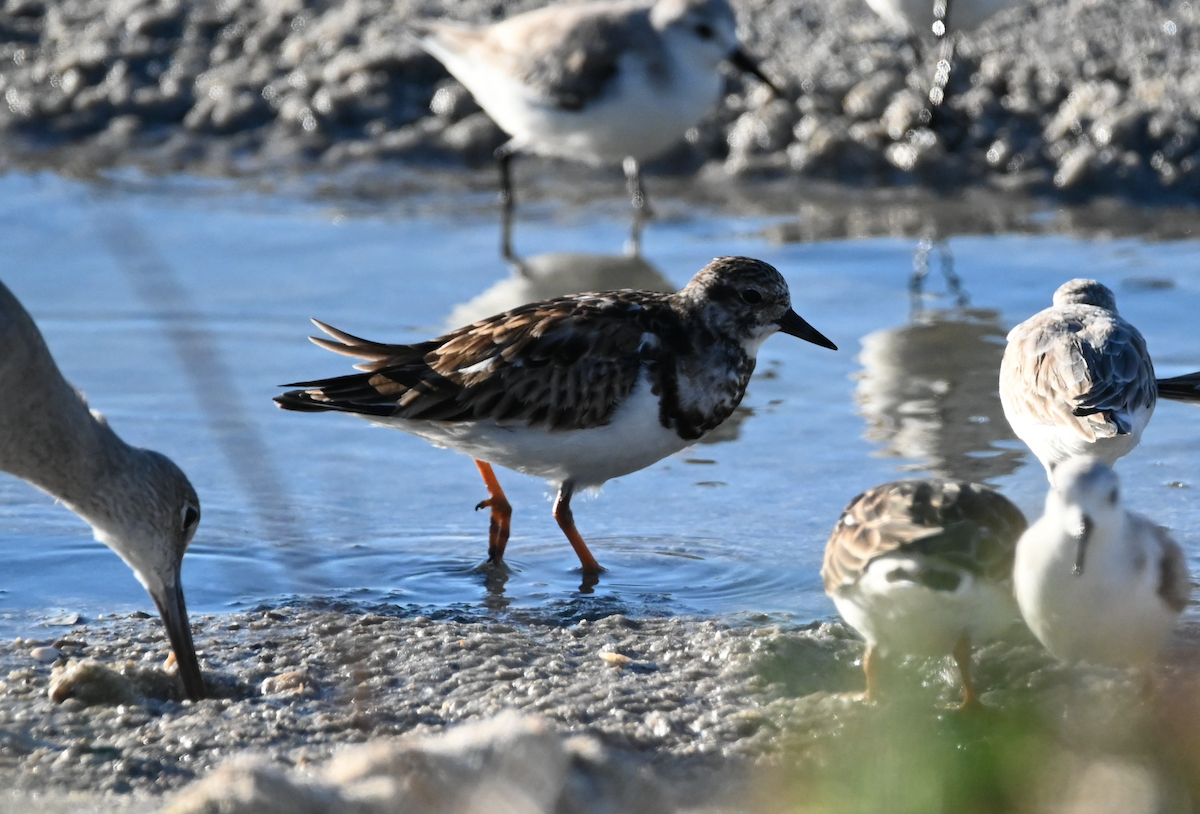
{"x":963,"y":524}
{"x":562,"y":364}
{"x":1181,"y":388}
{"x":1078,"y":367}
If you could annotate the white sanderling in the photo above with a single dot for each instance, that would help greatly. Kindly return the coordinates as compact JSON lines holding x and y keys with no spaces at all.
{"x":137,"y":501}
{"x":601,"y":82}
{"x":577,"y":390}
{"x":924,"y":567}
{"x":1095,"y":582}
{"x":1076,"y":378}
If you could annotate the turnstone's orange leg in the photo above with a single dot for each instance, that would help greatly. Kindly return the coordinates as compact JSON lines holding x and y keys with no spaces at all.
{"x":501,"y":513}
{"x":566,"y":522}
{"x":962,"y":655}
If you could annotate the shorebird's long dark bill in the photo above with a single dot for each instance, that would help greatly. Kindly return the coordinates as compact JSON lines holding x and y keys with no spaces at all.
{"x":173,"y":611}
{"x":1081,"y":550}
{"x":746,"y":64}
{"x":793,"y":324}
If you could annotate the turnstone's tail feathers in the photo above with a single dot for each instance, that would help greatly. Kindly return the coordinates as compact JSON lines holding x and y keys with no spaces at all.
{"x":966,"y":525}
{"x":1081,"y":368}
{"x":1181,"y":388}
{"x":529,"y":366}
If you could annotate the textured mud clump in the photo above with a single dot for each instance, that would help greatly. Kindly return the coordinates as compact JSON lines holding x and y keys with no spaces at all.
{"x":1067,"y":95}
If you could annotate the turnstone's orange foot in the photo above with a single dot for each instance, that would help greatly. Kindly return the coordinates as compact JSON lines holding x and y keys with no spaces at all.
{"x":924,"y":567}
{"x":1095,"y":582}
{"x":501,"y":521}
{"x":578,"y":389}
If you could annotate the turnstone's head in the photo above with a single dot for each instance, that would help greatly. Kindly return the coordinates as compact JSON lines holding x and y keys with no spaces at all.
{"x":746,"y":300}
{"x":1086,"y":292}
{"x":1086,"y":494}
{"x":704,"y":32}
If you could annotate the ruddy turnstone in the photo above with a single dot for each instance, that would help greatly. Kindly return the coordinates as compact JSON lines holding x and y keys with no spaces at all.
{"x":578,"y":389}
{"x":601,"y":82}
{"x":1076,"y":378}
{"x":924,"y":567}
{"x":137,"y":501}
{"x":1096,"y":582}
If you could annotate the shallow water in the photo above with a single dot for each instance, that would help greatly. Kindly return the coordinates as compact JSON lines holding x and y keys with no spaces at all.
{"x":180,"y":308}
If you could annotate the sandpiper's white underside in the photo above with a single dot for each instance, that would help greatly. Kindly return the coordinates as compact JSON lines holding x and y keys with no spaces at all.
{"x":632,"y":440}
{"x":637,"y":116}
{"x":1111,"y":613}
{"x":1054,"y":443}
{"x":906,"y":617}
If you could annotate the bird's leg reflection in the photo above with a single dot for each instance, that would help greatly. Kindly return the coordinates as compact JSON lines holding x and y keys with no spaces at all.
{"x":641,"y":204}
{"x":916,"y":284}
{"x":588,"y":582}
{"x":495,"y":577}
{"x":953,"y":281}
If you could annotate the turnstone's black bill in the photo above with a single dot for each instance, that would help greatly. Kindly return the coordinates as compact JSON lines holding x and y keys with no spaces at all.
{"x":924,"y":567}
{"x":137,"y":501}
{"x":601,"y":82}
{"x":1076,"y":378}
{"x":578,"y":389}
{"x":1096,"y":582}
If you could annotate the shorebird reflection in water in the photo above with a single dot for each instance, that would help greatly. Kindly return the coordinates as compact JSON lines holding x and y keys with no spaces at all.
{"x":578,"y":389}
{"x":600,"y":82}
{"x":137,"y":501}
{"x":927,"y":392}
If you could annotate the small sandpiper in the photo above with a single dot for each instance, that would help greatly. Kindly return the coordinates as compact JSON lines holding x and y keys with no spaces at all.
{"x":137,"y":501}
{"x":1095,"y":582}
{"x":578,"y":389}
{"x":924,"y":567}
{"x":600,"y":82}
{"x":1076,"y":378}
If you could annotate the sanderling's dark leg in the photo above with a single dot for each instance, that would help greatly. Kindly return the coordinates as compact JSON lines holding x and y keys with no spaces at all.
{"x":637,"y":198}
{"x":504,"y":154}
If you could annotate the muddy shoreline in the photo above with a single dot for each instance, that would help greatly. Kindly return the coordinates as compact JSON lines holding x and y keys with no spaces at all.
{"x":719,"y":717}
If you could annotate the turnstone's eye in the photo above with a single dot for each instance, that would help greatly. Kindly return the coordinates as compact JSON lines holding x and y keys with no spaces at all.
{"x":705,"y":31}
{"x":751,"y":297}
{"x":190,"y":516}
{"x":1112,"y":497}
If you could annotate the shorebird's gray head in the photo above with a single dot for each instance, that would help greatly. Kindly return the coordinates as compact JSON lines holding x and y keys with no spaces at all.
{"x":748,"y":300}
{"x":704,"y":32}
{"x":148,"y":515}
{"x":1086,"y":292}
{"x":1086,"y":495}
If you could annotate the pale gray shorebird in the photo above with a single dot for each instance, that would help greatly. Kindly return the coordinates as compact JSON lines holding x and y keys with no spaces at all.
{"x":924,"y":567}
{"x":578,"y":389}
{"x":1095,"y":582}
{"x":137,"y":501}
{"x":600,"y":82}
{"x":1076,"y":378}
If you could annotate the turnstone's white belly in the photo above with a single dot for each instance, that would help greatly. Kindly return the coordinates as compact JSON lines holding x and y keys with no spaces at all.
{"x":632,"y":440}
{"x":902,"y":616}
